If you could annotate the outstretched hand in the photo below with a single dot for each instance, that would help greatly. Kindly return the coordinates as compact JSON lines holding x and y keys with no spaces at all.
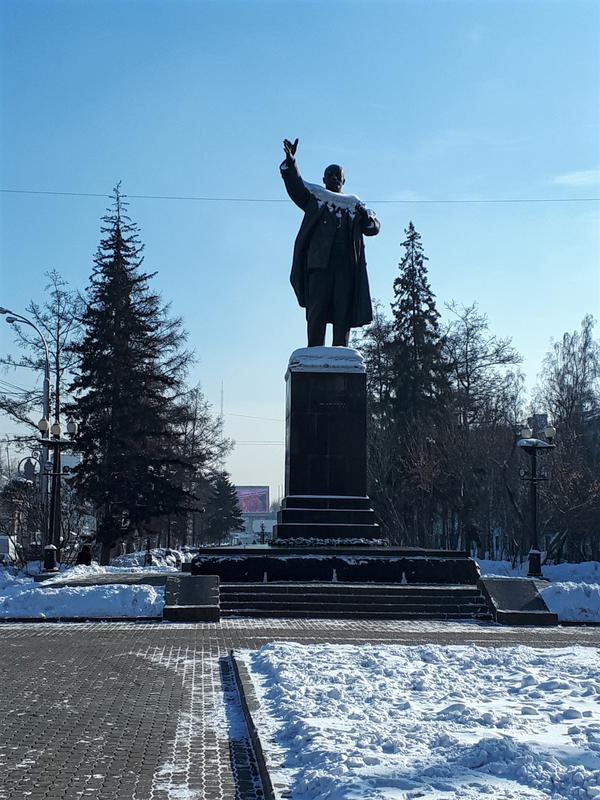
{"x":290,"y":149}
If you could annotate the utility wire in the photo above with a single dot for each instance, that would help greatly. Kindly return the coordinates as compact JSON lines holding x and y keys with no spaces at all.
{"x":13,"y":386}
{"x":284,"y":200}
{"x":248,"y":416}
{"x":238,"y":442}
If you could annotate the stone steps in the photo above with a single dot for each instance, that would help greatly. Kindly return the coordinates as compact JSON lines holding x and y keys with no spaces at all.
{"x":336,"y":600}
{"x":341,"y":605}
{"x":366,"y":613}
{"x":333,"y":588}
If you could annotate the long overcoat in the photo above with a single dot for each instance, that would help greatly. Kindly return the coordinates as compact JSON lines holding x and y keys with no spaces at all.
{"x":314,"y":212}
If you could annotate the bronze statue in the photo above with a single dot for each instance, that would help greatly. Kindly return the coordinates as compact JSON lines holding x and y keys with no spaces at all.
{"x":329,"y":271}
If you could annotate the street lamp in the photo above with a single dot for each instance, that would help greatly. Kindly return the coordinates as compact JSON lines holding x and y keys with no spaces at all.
{"x":43,"y":425}
{"x":532,"y":446}
{"x":56,"y":443}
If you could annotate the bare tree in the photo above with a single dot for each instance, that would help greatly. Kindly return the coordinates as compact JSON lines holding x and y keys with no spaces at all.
{"x":569,"y":383}
{"x":569,"y":389}
{"x":58,"y":317}
{"x":479,"y":360}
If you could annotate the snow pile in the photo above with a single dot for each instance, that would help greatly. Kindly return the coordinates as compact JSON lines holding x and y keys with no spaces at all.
{"x":23,"y":597}
{"x":573,"y":602}
{"x":502,"y":569}
{"x":161,"y":557}
{"x":379,"y":722}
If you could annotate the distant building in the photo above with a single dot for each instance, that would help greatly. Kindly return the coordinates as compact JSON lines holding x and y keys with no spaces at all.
{"x":254,"y":502}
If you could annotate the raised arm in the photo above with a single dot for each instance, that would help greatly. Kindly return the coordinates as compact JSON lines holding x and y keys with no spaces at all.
{"x":291,"y":177}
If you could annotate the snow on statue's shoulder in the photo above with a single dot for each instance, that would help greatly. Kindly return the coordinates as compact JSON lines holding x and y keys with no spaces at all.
{"x":334,"y":200}
{"x":326,"y":359}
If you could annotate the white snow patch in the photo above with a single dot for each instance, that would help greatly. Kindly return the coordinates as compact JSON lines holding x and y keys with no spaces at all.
{"x":23,"y":597}
{"x":326,"y":359}
{"x":335,"y":201}
{"x":573,"y":602}
{"x":382,"y":722}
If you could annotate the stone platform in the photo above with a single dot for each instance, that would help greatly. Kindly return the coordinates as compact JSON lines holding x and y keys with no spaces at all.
{"x":343,"y":564}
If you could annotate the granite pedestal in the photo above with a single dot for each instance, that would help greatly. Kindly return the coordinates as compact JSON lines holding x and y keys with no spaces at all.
{"x":326,"y":451}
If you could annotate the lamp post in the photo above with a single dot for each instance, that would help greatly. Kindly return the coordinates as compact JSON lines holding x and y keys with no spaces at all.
{"x":56,"y":443}
{"x":532,"y":446}
{"x":43,"y":424}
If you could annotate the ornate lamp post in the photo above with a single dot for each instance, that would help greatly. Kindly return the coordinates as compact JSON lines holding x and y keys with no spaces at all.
{"x":56,"y":443}
{"x":43,"y":424}
{"x":532,"y":446}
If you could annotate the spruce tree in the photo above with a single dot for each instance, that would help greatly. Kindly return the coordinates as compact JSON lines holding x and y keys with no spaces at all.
{"x":421,"y":375}
{"x":130,"y":368}
{"x":223,"y":508}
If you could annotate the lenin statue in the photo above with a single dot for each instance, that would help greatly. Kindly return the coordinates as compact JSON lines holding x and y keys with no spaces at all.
{"x":329,"y":271}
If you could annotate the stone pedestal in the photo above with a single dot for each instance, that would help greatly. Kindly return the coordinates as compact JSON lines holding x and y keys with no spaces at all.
{"x":326,"y":449}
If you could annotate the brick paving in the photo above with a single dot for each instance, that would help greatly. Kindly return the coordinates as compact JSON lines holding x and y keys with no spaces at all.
{"x":125,"y":711}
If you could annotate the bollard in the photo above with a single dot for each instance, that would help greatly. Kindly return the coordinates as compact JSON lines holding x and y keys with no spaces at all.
{"x":148,"y":555}
{"x":535,"y":568}
{"x":50,"y":563}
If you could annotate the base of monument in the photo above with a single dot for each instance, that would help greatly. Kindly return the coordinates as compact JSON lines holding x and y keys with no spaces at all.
{"x":310,"y":520}
{"x":343,"y":564}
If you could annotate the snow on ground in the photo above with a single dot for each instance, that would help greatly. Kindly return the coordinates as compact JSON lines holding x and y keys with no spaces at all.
{"x":574,"y":591}
{"x":21,"y":596}
{"x":342,"y":722}
{"x":573,"y":602}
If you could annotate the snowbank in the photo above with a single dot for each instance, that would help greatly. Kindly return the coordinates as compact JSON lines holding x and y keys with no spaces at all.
{"x":22,"y":597}
{"x":379,"y":722}
{"x":573,"y":602}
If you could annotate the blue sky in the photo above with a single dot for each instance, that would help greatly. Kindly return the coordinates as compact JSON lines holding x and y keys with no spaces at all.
{"x":419,"y":101}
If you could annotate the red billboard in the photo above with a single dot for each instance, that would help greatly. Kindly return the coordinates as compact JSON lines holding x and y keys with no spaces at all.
{"x":253,"y":499}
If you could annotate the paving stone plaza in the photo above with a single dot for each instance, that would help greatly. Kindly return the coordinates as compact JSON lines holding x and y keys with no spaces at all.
{"x":124,"y":711}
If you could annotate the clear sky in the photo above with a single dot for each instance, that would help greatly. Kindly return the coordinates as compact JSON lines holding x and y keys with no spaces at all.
{"x":419,"y":101}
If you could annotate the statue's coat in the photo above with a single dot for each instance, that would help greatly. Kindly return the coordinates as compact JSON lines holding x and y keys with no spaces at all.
{"x":311,"y":249}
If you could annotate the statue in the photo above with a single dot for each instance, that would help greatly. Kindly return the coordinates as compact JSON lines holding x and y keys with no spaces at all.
{"x":329,"y":271}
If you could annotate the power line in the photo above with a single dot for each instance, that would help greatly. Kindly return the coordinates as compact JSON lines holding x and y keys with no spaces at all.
{"x":249,"y":416}
{"x":8,"y":385}
{"x":238,"y":442}
{"x":193,"y":198}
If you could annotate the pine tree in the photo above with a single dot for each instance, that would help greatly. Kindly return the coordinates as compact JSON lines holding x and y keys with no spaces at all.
{"x":223,"y":508}
{"x":375,"y":347}
{"x":421,"y":374}
{"x":130,"y":368}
